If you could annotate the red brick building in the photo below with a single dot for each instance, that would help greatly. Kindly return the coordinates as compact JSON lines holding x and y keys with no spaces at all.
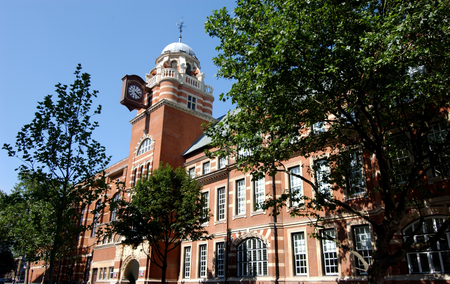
{"x":249,"y":245}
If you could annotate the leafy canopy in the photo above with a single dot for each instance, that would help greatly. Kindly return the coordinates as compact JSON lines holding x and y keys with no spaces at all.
{"x":332,"y":78}
{"x":164,"y":210}
{"x":62,"y":166}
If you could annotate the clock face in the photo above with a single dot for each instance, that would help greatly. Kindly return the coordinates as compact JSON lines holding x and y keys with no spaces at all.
{"x":135,"y":92}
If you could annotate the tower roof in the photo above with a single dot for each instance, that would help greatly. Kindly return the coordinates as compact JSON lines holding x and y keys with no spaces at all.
{"x":179,"y":47}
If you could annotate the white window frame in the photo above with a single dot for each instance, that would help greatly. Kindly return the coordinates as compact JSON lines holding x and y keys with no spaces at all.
{"x":432,"y":258}
{"x":330,"y":264}
{"x":145,"y":146}
{"x":438,"y":134}
{"x":191,"y":172}
{"x":300,"y":256}
{"x":222,"y":162}
{"x":220,"y":259}
{"x":357,"y":178}
{"x":252,"y":258}
{"x":259,"y":192}
{"x":363,"y":245}
{"x":241,"y":200}
{"x":205,"y":209}
{"x":206,"y":168}
{"x":187,"y":258}
{"x":202,"y":260}
{"x":295,"y":184}
{"x":221,"y":203}
{"x":400,"y":157}
{"x":322,"y":166}
{"x":96,"y":219}
{"x":113,"y":216}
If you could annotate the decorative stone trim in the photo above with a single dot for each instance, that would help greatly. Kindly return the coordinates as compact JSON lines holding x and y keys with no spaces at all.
{"x":237,"y":238}
{"x":174,"y":105}
{"x":146,"y":136}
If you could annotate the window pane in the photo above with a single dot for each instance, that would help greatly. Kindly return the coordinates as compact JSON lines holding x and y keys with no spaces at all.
{"x":330,"y":263}
{"x":240,"y":197}
{"x":202,"y":264}
{"x":221,"y":203}
{"x":322,"y":171}
{"x":363,"y":245}
{"x":222,"y":162}
{"x":205,"y":197}
{"x":295,"y":186}
{"x":145,"y":147}
{"x":299,"y":254}
{"x":206,"y":168}
{"x":187,"y":262}
{"x":192,"y":172}
{"x":252,"y":258}
{"x":434,"y":259}
{"x":220,"y":257}
{"x":356,"y":181}
{"x":259,"y":189}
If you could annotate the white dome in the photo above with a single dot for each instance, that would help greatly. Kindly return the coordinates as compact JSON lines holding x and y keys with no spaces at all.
{"x":178,"y":47}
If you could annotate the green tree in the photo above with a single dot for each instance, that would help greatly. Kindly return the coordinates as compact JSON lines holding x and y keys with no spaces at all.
{"x":164,"y":210}
{"x":27,"y":220}
{"x":316,"y":77}
{"x":62,"y":164}
{"x":7,"y":262}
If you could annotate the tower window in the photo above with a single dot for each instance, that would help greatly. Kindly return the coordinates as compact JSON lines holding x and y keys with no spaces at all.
{"x":145,"y":146}
{"x":192,"y":101}
{"x":173,"y":64}
{"x":188,"y":69}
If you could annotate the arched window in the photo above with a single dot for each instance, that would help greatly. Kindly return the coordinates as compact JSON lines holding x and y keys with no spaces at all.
{"x":252,"y":258}
{"x":435,"y":259}
{"x":114,"y":211}
{"x":146,"y":146}
{"x":173,"y":64}
{"x":188,"y":69}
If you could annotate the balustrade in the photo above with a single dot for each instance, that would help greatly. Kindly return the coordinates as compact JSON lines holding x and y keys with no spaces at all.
{"x":189,"y":80}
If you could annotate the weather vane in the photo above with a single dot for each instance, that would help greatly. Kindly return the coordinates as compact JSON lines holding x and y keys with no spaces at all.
{"x":181,"y":26}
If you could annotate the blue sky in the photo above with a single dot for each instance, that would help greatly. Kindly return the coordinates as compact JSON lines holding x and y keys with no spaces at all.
{"x":41,"y":43}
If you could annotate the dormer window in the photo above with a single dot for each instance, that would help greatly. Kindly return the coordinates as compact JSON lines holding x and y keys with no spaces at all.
{"x":146,"y":146}
{"x":192,"y":101}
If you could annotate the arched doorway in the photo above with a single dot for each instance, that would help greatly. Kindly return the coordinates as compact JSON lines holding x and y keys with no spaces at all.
{"x":133,"y":271}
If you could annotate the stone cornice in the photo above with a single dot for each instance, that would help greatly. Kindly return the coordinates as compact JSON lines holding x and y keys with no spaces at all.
{"x":212,"y":176}
{"x":174,"y":105}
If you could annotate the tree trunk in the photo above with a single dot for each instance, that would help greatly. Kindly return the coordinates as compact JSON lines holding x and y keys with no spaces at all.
{"x":377,"y":272}
{"x":58,"y":274}
{"x":55,"y":239}
{"x":27,"y":272}
{"x":164,"y":266}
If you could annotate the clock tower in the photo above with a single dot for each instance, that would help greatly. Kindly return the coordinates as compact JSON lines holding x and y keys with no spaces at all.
{"x":172,"y":103}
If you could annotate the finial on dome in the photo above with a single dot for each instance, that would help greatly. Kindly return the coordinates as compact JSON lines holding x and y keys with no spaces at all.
{"x":180,"y":28}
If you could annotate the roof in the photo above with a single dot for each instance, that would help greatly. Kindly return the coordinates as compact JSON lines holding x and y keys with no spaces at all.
{"x":179,"y":47}
{"x":201,"y":142}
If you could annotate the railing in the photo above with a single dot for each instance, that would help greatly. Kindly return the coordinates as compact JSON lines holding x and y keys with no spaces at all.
{"x":169,"y":73}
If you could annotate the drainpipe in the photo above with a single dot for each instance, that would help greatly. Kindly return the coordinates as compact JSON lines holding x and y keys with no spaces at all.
{"x":275,"y":234}
{"x":228,"y":237}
